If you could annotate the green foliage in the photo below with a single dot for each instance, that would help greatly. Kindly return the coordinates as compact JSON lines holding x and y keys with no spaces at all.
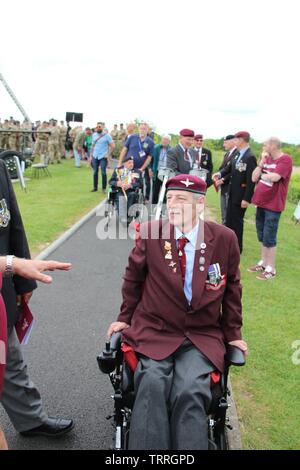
{"x":294,"y":189}
{"x":266,"y":389}
{"x":52,"y":205}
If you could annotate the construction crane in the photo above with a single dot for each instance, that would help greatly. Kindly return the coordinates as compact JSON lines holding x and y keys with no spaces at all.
{"x":13,"y":96}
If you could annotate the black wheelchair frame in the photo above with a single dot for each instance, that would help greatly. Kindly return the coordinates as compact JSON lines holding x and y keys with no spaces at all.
{"x":110,"y":207}
{"x":111,"y":362}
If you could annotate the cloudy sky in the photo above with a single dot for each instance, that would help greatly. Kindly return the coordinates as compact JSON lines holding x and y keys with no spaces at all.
{"x":211,"y":65}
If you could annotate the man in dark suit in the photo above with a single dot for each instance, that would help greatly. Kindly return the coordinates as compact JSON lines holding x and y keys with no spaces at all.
{"x":20,"y":398}
{"x":203,"y":158}
{"x":231,"y":151}
{"x":181,"y":306}
{"x":241,"y":186}
{"x":181,"y":158}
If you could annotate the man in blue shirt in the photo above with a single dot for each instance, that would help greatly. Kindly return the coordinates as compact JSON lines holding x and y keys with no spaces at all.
{"x":102,"y":146}
{"x":140,"y":147}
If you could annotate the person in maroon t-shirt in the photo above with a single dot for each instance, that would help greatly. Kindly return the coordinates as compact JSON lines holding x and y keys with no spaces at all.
{"x":272,"y":176}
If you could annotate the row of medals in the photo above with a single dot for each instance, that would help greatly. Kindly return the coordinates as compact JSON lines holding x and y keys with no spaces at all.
{"x":168,"y":255}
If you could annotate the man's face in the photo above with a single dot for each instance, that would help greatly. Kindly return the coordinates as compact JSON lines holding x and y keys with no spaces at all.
{"x":183,"y":207}
{"x":143,"y":130}
{"x":165,"y":142}
{"x":129,"y":165}
{"x":187,"y":142}
{"x":130,"y":128}
{"x":229,"y":144}
{"x":198,"y":143}
{"x":99,"y":127}
{"x":268,"y":147}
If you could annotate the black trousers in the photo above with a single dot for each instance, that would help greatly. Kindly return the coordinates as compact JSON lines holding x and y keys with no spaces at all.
{"x":157,"y":183}
{"x":235,"y":220}
{"x":147,"y":183}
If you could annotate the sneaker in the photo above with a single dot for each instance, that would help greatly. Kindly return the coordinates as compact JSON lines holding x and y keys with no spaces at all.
{"x":266,"y":275}
{"x":257,"y":268}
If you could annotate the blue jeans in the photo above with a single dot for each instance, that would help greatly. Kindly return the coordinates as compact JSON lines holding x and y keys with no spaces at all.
{"x":103,"y":164}
{"x":267,"y":226}
{"x":77,"y":158}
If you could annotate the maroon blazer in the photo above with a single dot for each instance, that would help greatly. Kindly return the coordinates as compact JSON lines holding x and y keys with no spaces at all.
{"x":154,"y":303}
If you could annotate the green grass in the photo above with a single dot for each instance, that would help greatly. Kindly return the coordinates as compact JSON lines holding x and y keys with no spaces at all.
{"x":52,"y":205}
{"x":267,"y":389}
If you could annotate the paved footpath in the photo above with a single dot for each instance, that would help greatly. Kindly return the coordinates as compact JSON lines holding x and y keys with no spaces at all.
{"x":72,"y":316}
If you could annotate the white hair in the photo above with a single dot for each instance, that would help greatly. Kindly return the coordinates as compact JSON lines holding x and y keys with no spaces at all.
{"x":166,"y":136}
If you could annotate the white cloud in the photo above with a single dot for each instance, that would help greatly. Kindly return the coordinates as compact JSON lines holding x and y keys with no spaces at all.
{"x":214,"y":66}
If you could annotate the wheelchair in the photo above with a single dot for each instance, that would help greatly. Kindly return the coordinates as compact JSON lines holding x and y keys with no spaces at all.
{"x":135,"y":212}
{"x":111,"y":361}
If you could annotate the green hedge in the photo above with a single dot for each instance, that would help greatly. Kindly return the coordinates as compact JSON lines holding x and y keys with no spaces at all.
{"x":294,"y":189}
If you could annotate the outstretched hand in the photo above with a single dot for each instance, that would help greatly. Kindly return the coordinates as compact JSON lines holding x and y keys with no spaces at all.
{"x":33,"y":269}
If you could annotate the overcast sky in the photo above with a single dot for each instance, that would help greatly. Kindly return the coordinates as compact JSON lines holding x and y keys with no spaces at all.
{"x":214,"y":66}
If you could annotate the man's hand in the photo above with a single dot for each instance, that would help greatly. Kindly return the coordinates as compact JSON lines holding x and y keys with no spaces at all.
{"x":219,"y":182}
{"x":32,"y":269}
{"x":241,"y":344}
{"x":116,"y":326}
{"x":216,"y":176}
{"x":119,"y":184}
{"x":151,"y":174}
{"x":244,"y":204}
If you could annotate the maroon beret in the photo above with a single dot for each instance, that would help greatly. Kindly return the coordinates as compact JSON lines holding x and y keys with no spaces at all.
{"x":198,"y":136}
{"x":187,"y":133}
{"x":191,"y":183}
{"x":243,"y":135}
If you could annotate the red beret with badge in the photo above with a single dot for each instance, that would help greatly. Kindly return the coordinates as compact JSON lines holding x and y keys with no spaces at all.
{"x":190,"y":183}
{"x":198,"y":137}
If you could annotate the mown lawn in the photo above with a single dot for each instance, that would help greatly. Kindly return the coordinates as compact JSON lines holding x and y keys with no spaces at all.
{"x":267,"y":389}
{"x":52,"y":205}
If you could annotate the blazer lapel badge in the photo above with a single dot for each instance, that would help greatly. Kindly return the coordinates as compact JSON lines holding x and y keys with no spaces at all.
{"x":169,"y":256}
{"x":4,"y":214}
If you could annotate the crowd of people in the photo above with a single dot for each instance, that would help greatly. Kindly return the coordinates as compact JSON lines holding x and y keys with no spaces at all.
{"x":193,"y":251}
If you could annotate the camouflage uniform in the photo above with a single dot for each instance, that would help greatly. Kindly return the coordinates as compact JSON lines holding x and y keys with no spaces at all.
{"x":5,"y":126}
{"x":53,"y":144}
{"x":41,"y":144}
{"x":62,"y":139}
{"x":12,"y":136}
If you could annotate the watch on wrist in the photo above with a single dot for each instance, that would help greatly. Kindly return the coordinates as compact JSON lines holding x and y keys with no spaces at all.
{"x":8,"y":272}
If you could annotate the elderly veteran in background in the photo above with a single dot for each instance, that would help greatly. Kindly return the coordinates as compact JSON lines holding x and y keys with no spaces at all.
{"x":159,"y":161}
{"x":181,"y":306}
{"x":203,"y":158}
{"x":241,"y":186}
{"x":229,"y":145}
{"x":181,"y":158}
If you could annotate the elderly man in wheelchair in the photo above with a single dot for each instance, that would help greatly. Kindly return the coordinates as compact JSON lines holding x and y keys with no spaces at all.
{"x":126,"y":185}
{"x":181,"y":311}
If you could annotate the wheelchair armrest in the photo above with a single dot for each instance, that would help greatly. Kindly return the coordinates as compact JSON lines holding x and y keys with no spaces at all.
{"x":234,"y":356}
{"x":115,"y":341}
{"x":108,"y":359}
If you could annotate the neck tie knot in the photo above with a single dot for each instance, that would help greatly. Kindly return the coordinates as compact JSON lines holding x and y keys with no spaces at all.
{"x":182,"y":241}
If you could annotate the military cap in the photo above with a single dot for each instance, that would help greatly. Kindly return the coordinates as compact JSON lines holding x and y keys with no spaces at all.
{"x":190,"y":183}
{"x":198,"y":137}
{"x":128,"y":158}
{"x":187,"y":133}
{"x":243,"y":135}
{"x":229,"y":137}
